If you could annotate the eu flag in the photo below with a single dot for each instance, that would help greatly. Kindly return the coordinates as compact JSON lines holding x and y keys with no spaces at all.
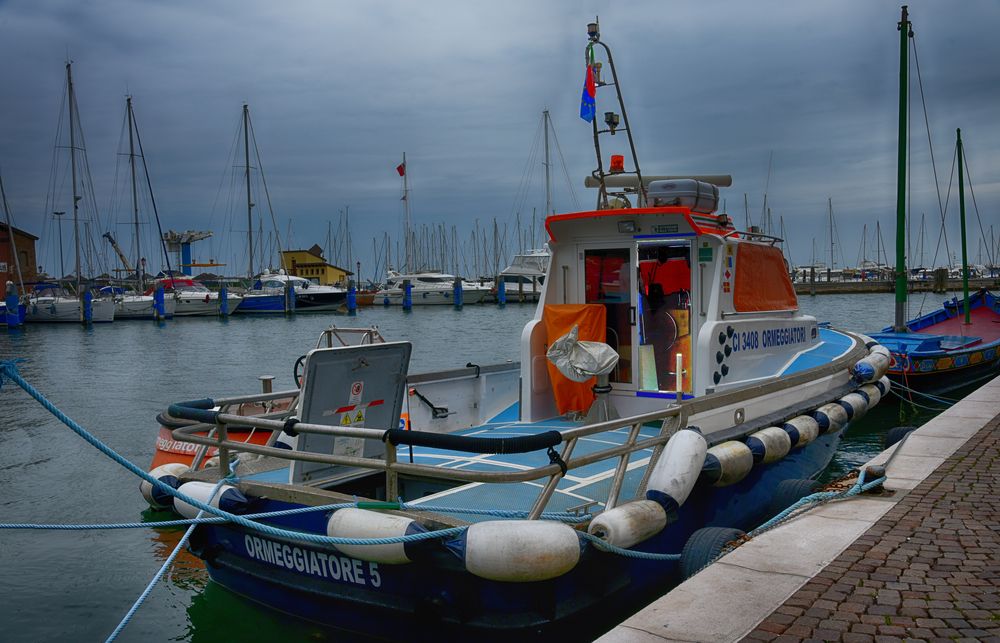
{"x":588,"y":106}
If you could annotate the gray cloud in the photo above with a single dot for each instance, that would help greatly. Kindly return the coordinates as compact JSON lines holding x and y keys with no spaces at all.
{"x":339,"y":90}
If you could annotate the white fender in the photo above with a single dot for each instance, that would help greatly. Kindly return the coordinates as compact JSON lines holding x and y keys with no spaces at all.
{"x":884,"y":385}
{"x":168,"y":474}
{"x":361,"y":523}
{"x":770,"y":444}
{"x":805,"y":427}
{"x":831,"y":417}
{"x":630,"y":523}
{"x":516,"y":551}
{"x":228,"y":498}
{"x":873,"y":393}
{"x":678,"y":468}
{"x":735,"y":460}
{"x":854,"y":404}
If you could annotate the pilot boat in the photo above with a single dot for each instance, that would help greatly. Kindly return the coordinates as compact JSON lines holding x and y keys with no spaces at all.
{"x":670,"y":395}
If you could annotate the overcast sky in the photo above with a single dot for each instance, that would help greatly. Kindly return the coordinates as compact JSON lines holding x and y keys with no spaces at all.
{"x":338,"y":91}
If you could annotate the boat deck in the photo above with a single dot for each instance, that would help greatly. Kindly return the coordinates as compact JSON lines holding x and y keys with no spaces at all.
{"x":985,"y":324}
{"x":581,"y":486}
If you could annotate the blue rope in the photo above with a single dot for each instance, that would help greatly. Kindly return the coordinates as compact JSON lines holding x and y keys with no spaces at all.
{"x":621,"y":551}
{"x":159,"y":574}
{"x":181,"y":522}
{"x":8,"y":368}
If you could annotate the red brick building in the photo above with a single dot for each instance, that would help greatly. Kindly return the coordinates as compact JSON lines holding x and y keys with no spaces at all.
{"x":25,"y":244}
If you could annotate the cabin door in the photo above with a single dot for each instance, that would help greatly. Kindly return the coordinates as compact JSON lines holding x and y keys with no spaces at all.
{"x":608,"y":280}
{"x":664,"y":334}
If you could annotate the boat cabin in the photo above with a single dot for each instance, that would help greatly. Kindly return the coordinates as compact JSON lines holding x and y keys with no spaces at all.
{"x":690,"y":305}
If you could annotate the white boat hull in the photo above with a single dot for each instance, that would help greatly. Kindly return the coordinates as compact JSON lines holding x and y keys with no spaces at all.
{"x":197,"y":305}
{"x":141,"y":307}
{"x":430,"y":297}
{"x":67,"y":310}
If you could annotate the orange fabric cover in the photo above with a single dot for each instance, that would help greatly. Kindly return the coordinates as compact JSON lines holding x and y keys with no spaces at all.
{"x":559,"y":319}
{"x":762,"y":282}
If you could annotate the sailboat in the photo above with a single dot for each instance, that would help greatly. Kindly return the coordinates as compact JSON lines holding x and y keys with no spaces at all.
{"x":130,"y":301}
{"x":427,"y":287}
{"x":50,"y":301}
{"x":261,"y":298}
{"x":524,"y":276}
{"x":959,"y":343}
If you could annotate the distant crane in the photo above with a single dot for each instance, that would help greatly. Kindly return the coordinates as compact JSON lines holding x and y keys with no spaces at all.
{"x":118,"y":251}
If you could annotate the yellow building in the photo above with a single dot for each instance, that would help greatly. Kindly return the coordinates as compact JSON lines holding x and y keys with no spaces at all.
{"x":310,"y":264}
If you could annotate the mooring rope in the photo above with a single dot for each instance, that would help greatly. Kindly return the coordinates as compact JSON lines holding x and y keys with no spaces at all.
{"x":159,"y":574}
{"x":182,"y":522}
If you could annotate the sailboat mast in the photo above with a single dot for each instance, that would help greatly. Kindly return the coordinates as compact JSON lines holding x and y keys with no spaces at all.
{"x":135,"y":195}
{"x":961,"y":209}
{"x":829,"y":269}
{"x":904,"y":31}
{"x":10,"y":236}
{"x":548,"y":180}
{"x":406,"y":225}
{"x":71,"y":98}
{"x":246,"y":158}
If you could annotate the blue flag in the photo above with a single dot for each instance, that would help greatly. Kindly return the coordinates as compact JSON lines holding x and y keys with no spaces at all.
{"x":588,"y":104}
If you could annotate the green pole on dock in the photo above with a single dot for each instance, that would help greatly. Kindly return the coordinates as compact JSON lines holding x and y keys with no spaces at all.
{"x":905,"y":30}
{"x":961,"y":209}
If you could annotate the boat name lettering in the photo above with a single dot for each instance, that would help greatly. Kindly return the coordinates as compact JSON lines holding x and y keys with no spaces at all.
{"x":314,"y":563}
{"x":175,"y":446}
{"x":769,"y":338}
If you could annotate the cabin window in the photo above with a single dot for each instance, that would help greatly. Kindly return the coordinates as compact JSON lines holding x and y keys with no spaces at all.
{"x":664,"y":315}
{"x":762,"y":283}
{"x":606,"y":282}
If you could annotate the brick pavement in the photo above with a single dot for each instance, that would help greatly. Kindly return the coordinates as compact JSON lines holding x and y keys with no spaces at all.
{"x":928,"y":570}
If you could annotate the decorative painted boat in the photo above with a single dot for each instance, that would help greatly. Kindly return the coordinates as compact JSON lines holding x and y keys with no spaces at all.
{"x":940,"y":351}
{"x":713,"y":400}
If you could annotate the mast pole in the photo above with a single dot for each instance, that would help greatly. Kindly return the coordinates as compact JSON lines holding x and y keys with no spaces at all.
{"x":548,"y":180}
{"x":905,"y":30}
{"x":961,"y":209}
{"x":71,"y":98}
{"x":246,"y":158}
{"x":406,"y":228}
{"x":10,"y":235}
{"x":135,"y":196}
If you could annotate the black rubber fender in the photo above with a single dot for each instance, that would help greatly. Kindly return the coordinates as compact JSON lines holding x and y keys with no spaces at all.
{"x":704,"y":546}
{"x":895,"y":434}
{"x":788,"y":492}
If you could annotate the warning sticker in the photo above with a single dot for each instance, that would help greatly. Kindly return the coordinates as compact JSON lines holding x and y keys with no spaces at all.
{"x":356,"y":390}
{"x":360,"y":417}
{"x":345,"y":420}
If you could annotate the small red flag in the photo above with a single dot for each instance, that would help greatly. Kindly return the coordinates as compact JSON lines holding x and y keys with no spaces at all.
{"x":401,"y":168}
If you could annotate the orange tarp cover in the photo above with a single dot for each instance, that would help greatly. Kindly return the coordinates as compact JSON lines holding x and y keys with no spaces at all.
{"x":559,"y":319}
{"x":762,"y":281}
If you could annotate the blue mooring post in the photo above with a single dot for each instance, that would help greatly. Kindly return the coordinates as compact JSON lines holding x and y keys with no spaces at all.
{"x":224,"y":301}
{"x":501,"y":292}
{"x":88,"y":307}
{"x":407,"y":295}
{"x":289,"y":298}
{"x":13,"y":312}
{"x":159,"y":305}
{"x":458,"y":295}
{"x":352,"y":298}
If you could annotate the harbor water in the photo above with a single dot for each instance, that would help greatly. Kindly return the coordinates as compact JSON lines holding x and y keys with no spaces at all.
{"x":114,"y":379}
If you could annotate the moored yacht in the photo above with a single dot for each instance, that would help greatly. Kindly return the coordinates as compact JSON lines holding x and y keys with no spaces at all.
{"x":429,"y":288}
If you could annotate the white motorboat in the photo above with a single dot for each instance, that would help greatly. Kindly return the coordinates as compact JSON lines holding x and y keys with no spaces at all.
{"x":428,"y":289}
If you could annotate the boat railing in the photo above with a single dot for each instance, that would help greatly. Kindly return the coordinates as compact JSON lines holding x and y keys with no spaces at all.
{"x":561,"y":462}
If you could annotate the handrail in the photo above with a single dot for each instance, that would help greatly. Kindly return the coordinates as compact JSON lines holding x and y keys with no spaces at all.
{"x":553,"y":470}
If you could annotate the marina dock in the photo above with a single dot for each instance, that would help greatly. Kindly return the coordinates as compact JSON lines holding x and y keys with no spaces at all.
{"x":919,"y":561}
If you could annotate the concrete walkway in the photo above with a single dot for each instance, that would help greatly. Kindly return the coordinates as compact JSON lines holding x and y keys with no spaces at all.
{"x":921,"y":563}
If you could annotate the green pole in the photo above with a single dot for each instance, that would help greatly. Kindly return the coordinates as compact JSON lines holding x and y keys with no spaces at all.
{"x":900,"y":322}
{"x":961,"y":209}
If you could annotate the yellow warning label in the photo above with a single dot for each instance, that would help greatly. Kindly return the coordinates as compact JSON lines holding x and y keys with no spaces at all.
{"x":345,"y":420}
{"x":360,"y":417}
